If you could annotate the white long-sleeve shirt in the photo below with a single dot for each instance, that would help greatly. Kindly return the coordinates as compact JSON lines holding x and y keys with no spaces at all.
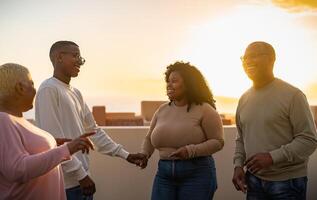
{"x":61,"y":111}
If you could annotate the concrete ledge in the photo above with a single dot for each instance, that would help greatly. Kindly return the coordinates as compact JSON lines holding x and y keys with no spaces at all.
{"x":116,"y":179}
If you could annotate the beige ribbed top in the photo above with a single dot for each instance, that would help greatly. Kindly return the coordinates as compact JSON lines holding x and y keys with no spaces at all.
{"x":172,"y":127}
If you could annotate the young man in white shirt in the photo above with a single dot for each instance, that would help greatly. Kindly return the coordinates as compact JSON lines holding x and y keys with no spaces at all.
{"x":61,"y":110}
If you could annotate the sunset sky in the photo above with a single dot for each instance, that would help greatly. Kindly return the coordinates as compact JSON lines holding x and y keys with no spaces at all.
{"x":128,"y":44}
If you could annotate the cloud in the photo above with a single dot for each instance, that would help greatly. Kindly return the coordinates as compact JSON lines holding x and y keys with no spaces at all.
{"x":297,"y":5}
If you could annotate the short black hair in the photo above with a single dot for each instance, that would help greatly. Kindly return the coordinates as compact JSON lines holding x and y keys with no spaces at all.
{"x":59,"y":45}
{"x":197,"y":90}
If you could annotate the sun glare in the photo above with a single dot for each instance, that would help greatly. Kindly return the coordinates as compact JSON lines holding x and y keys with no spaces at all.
{"x":216,"y":46}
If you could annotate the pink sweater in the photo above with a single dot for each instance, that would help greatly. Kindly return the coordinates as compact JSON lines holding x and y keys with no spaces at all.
{"x":29,"y":161}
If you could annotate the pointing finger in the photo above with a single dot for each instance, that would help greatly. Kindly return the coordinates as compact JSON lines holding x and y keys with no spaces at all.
{"x":87,"y":134}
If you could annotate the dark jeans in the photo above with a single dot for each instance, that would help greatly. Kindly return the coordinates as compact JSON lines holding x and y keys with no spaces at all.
{"x":193,"y":179}
{"x":75,"y":193}
{"x":291,"y":189}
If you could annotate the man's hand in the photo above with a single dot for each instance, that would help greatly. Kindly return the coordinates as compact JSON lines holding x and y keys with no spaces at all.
{"x":87,"y":186}
{"x":259,"y":161}
{"x":238,"y":179}
{"x":180,"y":153}
{"x":138,"y":159}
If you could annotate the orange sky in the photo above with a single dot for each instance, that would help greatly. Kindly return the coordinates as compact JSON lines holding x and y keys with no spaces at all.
{"x":128,"y":44}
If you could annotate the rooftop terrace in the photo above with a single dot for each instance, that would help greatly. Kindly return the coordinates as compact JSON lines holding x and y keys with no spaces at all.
{"x":116,"y":179}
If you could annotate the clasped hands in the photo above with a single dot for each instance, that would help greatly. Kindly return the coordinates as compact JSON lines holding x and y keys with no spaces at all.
{"x":141,"y":159}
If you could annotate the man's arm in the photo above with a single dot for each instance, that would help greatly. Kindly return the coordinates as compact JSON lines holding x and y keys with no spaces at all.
{"x":105,"y":144}
{"x":304,"y":133}
{"x":101,"y":139}
{"x":238,"y":178}
{"x":300,"y":148}
{"x":239,"y":154}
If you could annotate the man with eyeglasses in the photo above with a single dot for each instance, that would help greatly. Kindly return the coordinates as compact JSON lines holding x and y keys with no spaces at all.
{"x":276,"y":132}
{"x":61,"y":110}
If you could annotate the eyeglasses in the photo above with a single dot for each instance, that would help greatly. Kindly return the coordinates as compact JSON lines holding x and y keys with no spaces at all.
{"x":252,"y":56}
{"x":76,"y":56}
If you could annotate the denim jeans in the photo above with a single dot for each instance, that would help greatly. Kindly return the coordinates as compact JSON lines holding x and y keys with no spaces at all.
{"x":291,"y":189}
{"x":193,"y":179}
{"x":75,"y":193}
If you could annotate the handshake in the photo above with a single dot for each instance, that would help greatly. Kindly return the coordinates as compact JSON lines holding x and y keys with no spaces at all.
{"x":139,"y":159}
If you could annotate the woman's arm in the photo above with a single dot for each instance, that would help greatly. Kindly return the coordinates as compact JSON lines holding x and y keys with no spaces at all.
{"x":212,"y":126}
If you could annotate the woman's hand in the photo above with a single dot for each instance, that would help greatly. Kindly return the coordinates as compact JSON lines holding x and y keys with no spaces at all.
{"x":60,"y":141}
{"x":81,"y":143}
{"x":180,"y":153}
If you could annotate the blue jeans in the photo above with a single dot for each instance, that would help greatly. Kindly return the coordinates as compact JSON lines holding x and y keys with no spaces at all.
{"x":291,"y":189}
{"x":193,"y":179}
{"x":75,"y":193}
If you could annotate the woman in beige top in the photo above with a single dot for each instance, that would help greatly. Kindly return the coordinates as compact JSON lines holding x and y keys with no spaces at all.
{"x":186,"y":131}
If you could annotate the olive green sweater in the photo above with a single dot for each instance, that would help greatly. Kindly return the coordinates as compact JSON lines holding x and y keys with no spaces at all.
{"x":276,"y":119}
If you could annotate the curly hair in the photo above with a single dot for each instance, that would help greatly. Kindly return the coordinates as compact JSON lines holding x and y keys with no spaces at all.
{"x":197,"y":90}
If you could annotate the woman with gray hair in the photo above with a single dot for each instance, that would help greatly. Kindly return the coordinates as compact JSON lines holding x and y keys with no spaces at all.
{"x":29,"y":156}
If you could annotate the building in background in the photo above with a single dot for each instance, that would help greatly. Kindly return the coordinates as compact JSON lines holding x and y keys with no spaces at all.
{"x":104,"y":118}
{"x":148,"y":109}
